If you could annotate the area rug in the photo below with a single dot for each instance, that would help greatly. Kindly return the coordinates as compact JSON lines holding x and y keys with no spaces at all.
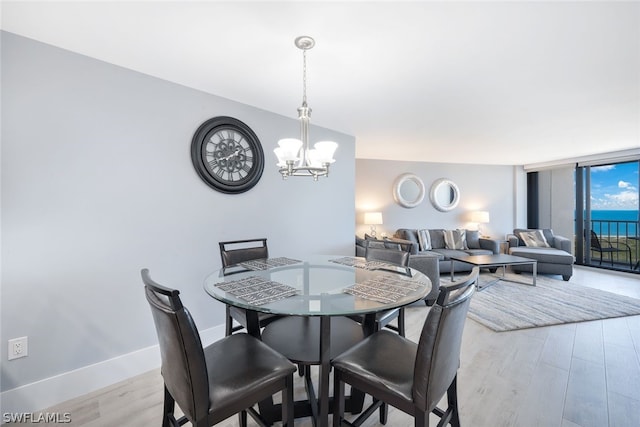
{"x":507,"y":306}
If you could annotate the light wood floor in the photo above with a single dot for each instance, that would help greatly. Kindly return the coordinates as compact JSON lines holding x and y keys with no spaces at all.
{"x":575,"y":375}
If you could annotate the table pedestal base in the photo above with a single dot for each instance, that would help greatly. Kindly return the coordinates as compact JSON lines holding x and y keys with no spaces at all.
{"x":313,"y":341}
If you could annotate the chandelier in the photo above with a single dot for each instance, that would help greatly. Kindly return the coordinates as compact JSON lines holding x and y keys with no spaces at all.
{"x":294,"y":156}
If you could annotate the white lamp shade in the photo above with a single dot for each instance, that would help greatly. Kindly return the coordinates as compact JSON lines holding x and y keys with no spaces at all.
{"x":481,"y":217}
{"x":279,"y":155}
{"x":373,"y":218}
{"x":325,"y":151}
{"x":312,"y":157}
{"x":288,"y":149}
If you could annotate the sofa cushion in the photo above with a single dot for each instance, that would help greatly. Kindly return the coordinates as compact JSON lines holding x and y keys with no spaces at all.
{"x":385,"y":243}
{"x":545,"y":255}
{"x":433,"y":253}
{"x":473,"y":239}
{"x":437,"y":238}
{"x":455,"y":239}
{"x":447,"y":253}
{"x":424,"y":237}
{"x":534,"y":239}
{"x":408,"y":234}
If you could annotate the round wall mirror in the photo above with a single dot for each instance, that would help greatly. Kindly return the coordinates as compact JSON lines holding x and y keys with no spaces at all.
{"x":444,"y":195}
{"x":408,"y":190}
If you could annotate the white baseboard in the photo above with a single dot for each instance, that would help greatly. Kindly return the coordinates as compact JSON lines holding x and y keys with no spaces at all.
{"x":69,"y":385}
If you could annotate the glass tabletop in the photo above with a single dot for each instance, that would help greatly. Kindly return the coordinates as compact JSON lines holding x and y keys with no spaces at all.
{"x":321,"y":285}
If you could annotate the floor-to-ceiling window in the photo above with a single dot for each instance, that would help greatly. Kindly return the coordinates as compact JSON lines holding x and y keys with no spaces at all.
{"x":607,"y":215}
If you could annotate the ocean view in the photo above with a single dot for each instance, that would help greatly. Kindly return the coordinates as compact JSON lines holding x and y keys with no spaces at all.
{"x":626,"y":226}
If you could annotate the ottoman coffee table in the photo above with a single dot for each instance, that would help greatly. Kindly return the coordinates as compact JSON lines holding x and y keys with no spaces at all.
{"x":499,"y":260}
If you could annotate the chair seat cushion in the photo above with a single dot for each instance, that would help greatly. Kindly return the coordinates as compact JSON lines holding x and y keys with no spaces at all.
{"x":384,"y":359}
{"x":238,"y":366}
{"x":545,"y":255}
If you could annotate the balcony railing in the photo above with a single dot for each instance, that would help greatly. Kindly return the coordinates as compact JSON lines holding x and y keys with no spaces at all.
{"x":619,"y":245}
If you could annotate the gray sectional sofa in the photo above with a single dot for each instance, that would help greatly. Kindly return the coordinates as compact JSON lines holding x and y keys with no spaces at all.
{"x":475,"y":245}
{"x":552,"y":252}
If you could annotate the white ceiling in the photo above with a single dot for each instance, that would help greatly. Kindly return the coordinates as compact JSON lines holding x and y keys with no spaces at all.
{"x":459,"y":82}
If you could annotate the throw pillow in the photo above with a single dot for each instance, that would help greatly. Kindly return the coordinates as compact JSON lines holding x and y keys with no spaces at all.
{"x":425,"y":240}
{"x":473,"y":239}
{"x":534,"y":239}
{"x":455,"y":239}
{"x":437,"y":239}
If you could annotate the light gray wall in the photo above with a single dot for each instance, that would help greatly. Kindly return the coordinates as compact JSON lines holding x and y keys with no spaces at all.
{"x":97,"y":183}
{"x":482,"y":187}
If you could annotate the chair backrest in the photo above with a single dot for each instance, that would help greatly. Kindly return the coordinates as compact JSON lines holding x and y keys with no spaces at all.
{"x":237,"y":251}
{"x":183,"y":369}
{"x":392,"y":256}
{"x":595,"y":242}
{"x":438,"y":357}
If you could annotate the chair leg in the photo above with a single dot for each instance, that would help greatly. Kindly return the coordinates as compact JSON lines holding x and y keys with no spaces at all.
{"x":243,"y":418}
{"x":338,"y":399}
{"x":401,"y":327}
{"x":452,"y":400}
{"x":384,"y":412}
{"x":287,"y":403}
{"x":168,"y":419}
{"x":228,"y":321}
{"x":421,"y":419}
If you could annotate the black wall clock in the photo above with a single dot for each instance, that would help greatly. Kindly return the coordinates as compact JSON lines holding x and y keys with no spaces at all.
{"x":227,"y":155}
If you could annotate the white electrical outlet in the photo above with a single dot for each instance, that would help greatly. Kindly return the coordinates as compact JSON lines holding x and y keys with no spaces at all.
{"x":18,"y":347}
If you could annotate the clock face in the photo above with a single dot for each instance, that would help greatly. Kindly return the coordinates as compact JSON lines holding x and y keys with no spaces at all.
{"x":227,"y":155}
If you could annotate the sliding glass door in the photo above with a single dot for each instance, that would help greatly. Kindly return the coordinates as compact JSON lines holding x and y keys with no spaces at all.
{"x":607,"y":216}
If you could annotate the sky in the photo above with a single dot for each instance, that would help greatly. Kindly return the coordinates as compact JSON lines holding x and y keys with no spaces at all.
{"x":615,"y":187}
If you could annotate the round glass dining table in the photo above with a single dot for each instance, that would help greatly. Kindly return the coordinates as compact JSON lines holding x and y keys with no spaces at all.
{"x":312,"y":292}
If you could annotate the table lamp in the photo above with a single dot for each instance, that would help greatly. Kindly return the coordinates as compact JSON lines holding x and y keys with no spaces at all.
{"x":480,"y":217}
{"x":373,"y":219}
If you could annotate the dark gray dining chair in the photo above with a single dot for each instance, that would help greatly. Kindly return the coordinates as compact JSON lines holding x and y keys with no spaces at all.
{"x":216,"y":382}
{"x":398,"y":257}
{"x":234,"y":252}
{"x":411,"y":377}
